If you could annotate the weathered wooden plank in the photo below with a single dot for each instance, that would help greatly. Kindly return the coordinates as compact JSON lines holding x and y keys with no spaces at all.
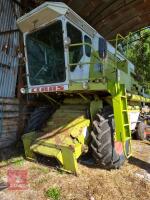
{"x":9,"y":115}
{"x":8,"y":107}
{"x":9,"y":101}
{"x":9,"y":121}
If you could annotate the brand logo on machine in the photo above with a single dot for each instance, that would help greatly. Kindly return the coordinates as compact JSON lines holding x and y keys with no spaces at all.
{"x":48,"y":89}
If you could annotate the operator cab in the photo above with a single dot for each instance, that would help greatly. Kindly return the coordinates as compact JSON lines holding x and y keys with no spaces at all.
{"x":51,"y":60}
{"x":45,"y":51}
{"x":63,"y":51}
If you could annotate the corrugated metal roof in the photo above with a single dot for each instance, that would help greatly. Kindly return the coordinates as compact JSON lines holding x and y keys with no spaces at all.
{"x":9,"y":45}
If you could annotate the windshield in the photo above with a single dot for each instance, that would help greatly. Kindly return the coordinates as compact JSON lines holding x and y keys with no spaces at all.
{"x":45,"y":53}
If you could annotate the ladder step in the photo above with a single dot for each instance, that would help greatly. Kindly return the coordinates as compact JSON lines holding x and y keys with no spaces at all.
{"x":128,"y":138}
{"x":126,"y":124}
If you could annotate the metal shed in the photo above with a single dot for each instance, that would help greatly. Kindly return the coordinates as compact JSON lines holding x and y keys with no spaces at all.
{"x":9,"y":61}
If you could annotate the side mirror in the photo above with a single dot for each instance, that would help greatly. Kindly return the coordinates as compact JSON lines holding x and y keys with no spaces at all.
{"x":67,"y":41}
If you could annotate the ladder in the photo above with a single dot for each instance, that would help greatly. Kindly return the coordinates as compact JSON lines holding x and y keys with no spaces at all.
{"x":122,"y":124}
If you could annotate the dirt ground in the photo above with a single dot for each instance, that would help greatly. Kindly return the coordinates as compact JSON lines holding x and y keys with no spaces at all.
{"x":131,"y":182}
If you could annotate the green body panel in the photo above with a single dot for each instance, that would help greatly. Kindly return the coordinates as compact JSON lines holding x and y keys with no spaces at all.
{"x":90,"y":86}
{"x":137,"y":98}
{"x":95,"y":106}
{"x":28,"y":139}
{"x":110,"y":68}
{"x":125,"y":79}
{"x":95,"y":59}
{"x":123,"y":65}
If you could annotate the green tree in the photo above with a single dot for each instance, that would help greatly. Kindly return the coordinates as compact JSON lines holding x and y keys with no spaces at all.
{"x":138,"y":52}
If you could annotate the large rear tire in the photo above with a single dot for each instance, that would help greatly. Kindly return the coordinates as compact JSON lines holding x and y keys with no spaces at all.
{"x":103,"y":145}
{"x":38,"y":118}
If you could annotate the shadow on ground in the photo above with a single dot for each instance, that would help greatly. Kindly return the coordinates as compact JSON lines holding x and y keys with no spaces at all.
{"x":9,"y":153}
{"x":140,"y":163}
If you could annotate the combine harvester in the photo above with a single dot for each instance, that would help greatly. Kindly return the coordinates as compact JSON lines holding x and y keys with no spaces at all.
{"x":86,"y":91}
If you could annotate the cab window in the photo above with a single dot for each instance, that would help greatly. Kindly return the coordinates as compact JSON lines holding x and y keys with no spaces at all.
{"x":76,"y":52}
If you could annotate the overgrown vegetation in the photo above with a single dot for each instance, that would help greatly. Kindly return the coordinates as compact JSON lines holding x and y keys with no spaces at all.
{"x":137,"y":49}
{"x":53,"y":193}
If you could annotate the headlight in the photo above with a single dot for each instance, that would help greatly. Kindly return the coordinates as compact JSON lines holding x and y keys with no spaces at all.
{"x":22,"y":90}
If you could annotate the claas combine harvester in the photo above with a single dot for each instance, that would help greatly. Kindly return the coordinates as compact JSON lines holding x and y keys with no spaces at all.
{"x":89,"y":100}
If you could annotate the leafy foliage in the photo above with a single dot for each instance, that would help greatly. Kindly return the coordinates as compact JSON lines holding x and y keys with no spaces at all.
{"x":138,"y":52}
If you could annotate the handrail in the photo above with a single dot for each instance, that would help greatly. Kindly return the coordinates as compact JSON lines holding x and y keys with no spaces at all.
{"x":95,"y":54}
{"x":116,"y":46}
{"x":82,"y":43}
{"x":72,"y":64}
{"x":88,"y":44}
{"x":120,"y":37}
{"x":127,"y":154}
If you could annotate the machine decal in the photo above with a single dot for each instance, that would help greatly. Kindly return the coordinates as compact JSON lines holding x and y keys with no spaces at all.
{"x":49,"y":88}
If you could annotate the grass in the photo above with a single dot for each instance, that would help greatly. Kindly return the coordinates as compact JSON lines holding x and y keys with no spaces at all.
{"x":42,"y":169}
{"x":18,"y":161}
{"x":53,"y":193}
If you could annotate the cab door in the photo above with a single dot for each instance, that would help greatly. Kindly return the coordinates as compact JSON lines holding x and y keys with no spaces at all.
{"x":79,"y":54}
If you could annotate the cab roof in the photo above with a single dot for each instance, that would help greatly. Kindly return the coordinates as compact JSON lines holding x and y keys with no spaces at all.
{"x":49,"y":11}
